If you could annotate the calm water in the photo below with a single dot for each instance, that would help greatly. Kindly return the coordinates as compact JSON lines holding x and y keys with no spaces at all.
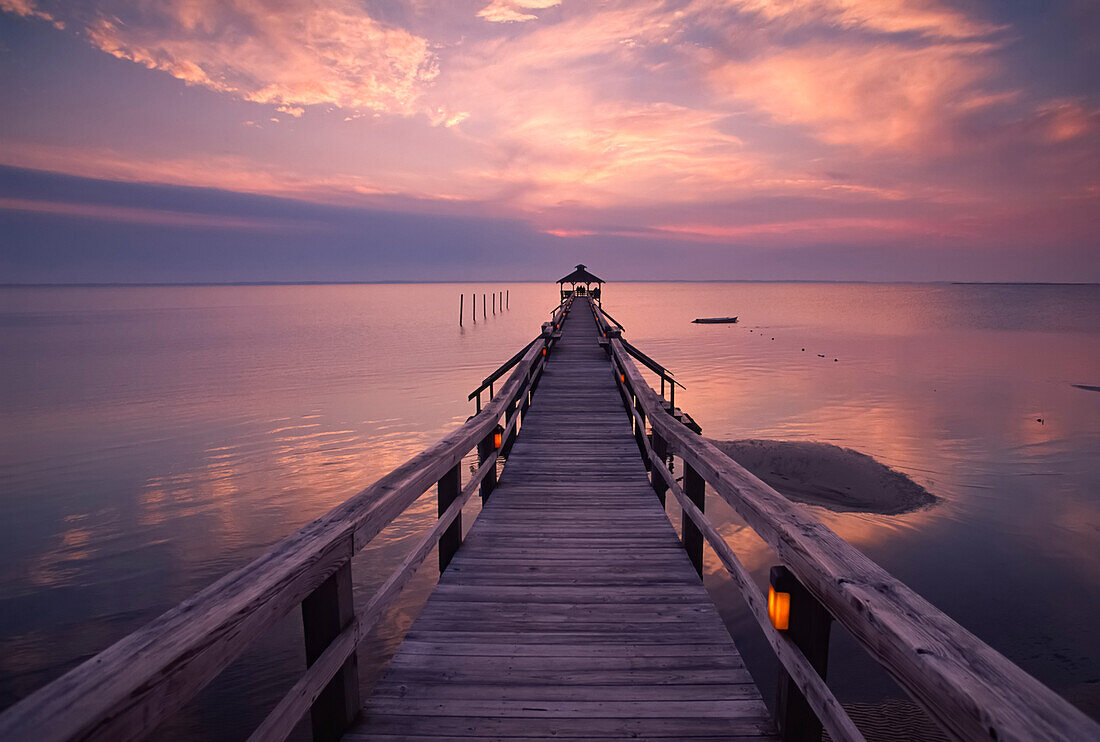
{"x":153,"y":439}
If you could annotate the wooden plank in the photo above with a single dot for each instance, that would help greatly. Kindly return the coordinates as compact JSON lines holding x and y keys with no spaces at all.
{"x":722,"y":708}
{"x":533,"y":692}
{"x":583,"y":728}
{"x":504,"y":649}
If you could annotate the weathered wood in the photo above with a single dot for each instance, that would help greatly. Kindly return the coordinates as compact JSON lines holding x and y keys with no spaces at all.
{"x":695,"y":491}
{"x":326,"y":613}
{"x":126,"y":690}
{"x":447,"y":491}
{"x":503,"y":368}
{"x":492,"y":727}
{"x":571,"y":596}
{"x":485,"y":449}
{"x":809,"y":631}
{"x":660,"y":452}
{"x":971,"y":690}
{"x":825,"y":705}
{"x":288,"y":712}
{"x":282,"y":720}
{"x":509,"y":413}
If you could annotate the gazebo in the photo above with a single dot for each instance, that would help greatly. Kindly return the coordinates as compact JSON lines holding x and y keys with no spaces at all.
{"x":580,"y":283}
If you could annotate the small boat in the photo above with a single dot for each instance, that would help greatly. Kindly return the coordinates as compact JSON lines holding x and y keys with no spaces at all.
{"x":714,"y":320}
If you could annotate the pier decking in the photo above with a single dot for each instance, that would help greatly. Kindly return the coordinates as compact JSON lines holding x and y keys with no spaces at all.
{"x":571,"y":610}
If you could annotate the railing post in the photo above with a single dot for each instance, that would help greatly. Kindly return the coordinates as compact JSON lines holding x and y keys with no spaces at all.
{"x":447,"y":490}
{"x":808,"y":626}
{"x":660,"y":450}
{"x":528,"y":387}
{"x":326,"y":612}
{"x":695,"y":488}
{"x":509,"y":413}
{"x":485,"y":449}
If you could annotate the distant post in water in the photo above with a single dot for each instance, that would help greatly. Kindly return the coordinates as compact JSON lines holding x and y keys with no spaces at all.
{"x":509,"y":298}
{"x":461,"y":298}
{"x":473,"y":307}
{"x":484,"y":312}
{"x":494,"y":302}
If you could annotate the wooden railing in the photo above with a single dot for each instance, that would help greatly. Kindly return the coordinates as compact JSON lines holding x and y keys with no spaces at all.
{"x":124,"y":692}
{"x":968,"y":688}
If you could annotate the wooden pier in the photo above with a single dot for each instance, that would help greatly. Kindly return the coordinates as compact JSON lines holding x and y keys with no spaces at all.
{"x":572,"y":610}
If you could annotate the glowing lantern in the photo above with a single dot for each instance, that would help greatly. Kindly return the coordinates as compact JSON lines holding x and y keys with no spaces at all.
{"x":497,"y":435}
{"x":779,"y":609}
{"x":622,"y":378}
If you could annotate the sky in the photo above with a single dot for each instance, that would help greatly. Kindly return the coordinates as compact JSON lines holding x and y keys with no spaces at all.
{"x":364,"y":140}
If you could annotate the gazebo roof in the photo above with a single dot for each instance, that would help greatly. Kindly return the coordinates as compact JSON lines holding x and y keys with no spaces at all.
{"x":580,"y":276}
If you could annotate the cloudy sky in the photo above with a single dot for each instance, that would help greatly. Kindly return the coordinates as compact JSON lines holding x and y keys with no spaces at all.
{"x":251,"y":140}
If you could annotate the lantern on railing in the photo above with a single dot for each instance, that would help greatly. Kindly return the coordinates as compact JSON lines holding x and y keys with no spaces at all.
{"x":498,"y":435}
{"x":779,"y":608}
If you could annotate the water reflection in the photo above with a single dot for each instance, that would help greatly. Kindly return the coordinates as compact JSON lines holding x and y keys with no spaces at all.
{"x":156,"y":438}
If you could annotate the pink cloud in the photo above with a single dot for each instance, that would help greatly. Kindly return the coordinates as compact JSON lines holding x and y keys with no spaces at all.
{"x":289,"y":54}
{"x":884,"y":96}
{"x":29,"y":9}
{"x":510,"y":11}
{"x":887,"y":16}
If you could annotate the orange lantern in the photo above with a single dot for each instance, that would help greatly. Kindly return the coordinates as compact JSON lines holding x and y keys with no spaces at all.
{"x":779,"y":609}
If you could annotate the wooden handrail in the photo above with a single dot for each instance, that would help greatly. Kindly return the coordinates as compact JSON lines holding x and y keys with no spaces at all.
{"x":503,"y":369}
{"x":653,"y":366}
{"x":608,"y":316}
{"x":835,"y":719}
{"x":967,"y":687}
{"x":605,"y":320}
{"x":126,"y":690}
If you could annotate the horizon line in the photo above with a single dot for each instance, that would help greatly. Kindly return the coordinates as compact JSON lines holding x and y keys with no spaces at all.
{"x":182,"y":284}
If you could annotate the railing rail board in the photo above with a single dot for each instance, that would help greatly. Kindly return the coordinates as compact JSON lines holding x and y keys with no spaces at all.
{"x":968,"y":688}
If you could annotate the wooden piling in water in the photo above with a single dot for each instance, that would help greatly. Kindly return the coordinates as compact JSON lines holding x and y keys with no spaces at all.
{"x":461,"y":298}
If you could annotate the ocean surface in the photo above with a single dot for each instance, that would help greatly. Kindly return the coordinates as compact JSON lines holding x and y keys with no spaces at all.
{"x":154,"y":438}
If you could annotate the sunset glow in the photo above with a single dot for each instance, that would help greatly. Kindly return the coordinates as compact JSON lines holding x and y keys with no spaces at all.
{"x":679,"y":139}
